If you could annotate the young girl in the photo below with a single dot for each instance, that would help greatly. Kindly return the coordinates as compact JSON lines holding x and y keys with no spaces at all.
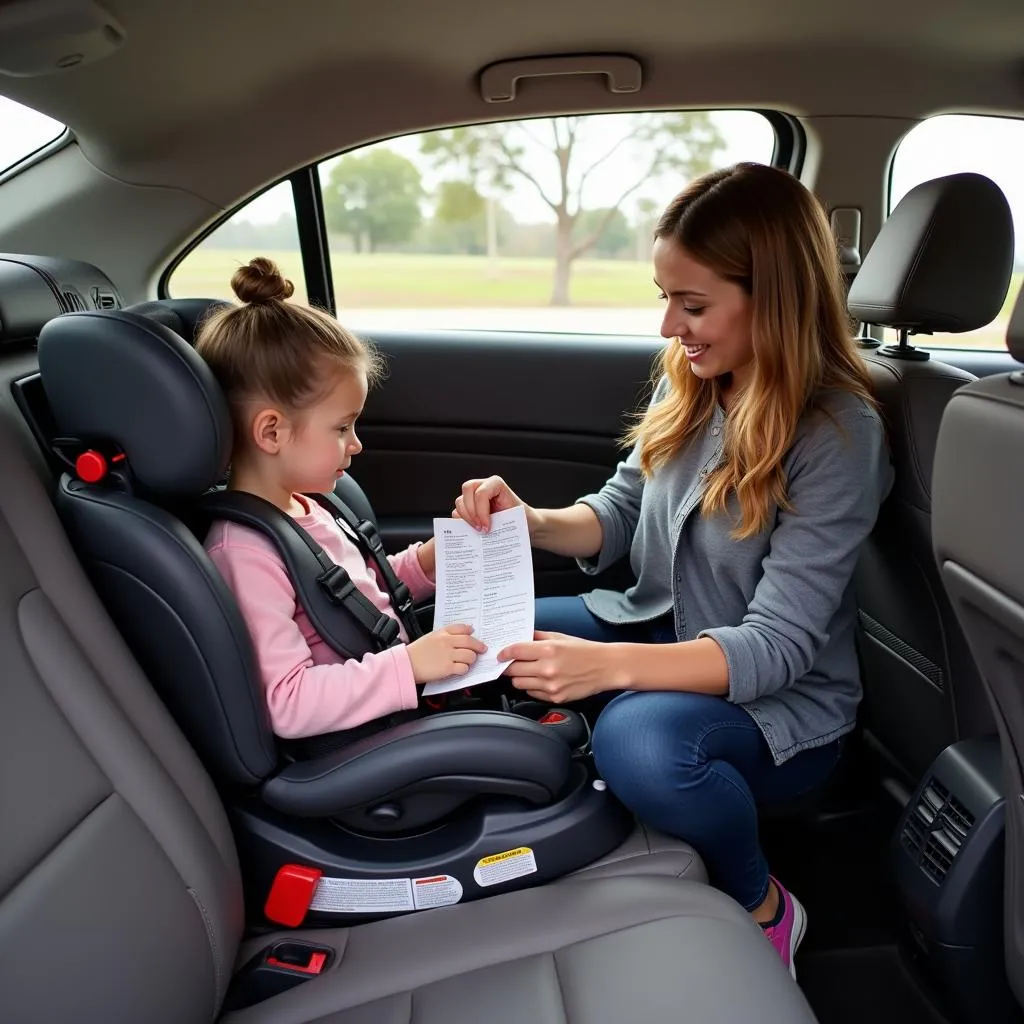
{"x":295,"y":381}
{"x":755,"y":475}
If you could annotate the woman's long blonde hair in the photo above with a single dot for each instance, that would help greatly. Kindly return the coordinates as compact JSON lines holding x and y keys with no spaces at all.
{"x":760,"y":228}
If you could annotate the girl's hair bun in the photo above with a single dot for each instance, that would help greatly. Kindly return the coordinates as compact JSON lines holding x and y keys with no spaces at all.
{"x":261,"y":281}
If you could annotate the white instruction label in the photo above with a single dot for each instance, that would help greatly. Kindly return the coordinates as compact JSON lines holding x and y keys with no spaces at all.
{"x":436,"y":891}
{"x":503,"y":867}
{"x":384,"y":895}
{"x":362,"y":895}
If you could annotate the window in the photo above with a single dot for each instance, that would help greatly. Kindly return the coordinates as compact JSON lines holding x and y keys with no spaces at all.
{"x":531,"y":225}
{"x":23,"y":131}
{"x":540,"y":225}
{"x":266,"y":226}
{"x":949,"y":144}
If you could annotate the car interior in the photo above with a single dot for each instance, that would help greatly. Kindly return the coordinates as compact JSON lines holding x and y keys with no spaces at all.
{"x":164,"y":857}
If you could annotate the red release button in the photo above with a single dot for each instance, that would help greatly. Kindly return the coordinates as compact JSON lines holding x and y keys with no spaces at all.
{"x":552,"y":718}
{"x":91,"y":467}
{"x":291,"y":894}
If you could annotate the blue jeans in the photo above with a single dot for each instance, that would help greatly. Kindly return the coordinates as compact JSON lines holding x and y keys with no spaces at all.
{"x":692,"y":765}
{"x":570,"y":615}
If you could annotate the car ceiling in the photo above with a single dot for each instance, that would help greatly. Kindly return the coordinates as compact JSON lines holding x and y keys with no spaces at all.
{"x":219,"y":96}
{"x":208,"y":101}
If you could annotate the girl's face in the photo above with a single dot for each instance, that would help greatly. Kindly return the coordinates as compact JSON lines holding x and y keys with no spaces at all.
{"x":316,"y":446}
{"x":707,"y":315}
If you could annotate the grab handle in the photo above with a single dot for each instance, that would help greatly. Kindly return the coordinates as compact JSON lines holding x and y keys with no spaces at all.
{"x":498,"y":81}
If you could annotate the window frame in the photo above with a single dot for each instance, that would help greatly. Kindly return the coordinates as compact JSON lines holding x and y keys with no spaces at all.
{"x":788,"y":153}
{"x":42,"y":152}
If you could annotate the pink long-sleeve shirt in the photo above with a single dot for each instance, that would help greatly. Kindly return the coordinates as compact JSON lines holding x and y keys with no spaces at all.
{"x":310,"y":689}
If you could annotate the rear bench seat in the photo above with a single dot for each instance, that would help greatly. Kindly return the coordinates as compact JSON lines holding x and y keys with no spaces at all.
{"x":120,"y":894}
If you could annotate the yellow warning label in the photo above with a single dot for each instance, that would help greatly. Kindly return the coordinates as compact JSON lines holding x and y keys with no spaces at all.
{"x":504,"y":867}
{"x":495,"y":857}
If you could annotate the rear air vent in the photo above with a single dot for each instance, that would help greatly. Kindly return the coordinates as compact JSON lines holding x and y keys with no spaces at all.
{"x":935,"y":829}
{"x":73,"y":302}
{"x":104,"y":300}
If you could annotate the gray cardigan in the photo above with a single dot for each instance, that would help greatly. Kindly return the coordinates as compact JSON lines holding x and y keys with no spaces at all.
{"x":781,"y":604}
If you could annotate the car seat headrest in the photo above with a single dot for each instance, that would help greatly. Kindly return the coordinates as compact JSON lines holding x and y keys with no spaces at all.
{"x":942,"y":261}
{"x":183,"y":316}
{"x":121,"y":379}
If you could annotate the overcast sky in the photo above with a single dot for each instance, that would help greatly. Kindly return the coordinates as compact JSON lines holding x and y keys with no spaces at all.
{"x":941,"y":145}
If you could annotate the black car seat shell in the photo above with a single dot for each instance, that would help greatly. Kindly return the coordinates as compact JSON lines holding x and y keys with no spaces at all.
{"x":942,"y":262}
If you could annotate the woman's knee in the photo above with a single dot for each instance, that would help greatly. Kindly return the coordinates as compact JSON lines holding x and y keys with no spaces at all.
{"x":642,"y":741}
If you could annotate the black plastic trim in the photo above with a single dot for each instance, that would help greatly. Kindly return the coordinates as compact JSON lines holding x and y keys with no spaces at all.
{"x":790,"y":140}
{"x":316,"y":256}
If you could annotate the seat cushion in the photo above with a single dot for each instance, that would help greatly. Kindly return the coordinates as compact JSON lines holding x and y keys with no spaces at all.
{"x":646,"y":852}
{"x":599,"y":951}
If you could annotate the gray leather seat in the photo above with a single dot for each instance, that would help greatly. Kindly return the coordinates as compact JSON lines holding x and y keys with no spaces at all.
{"x":978,"y":495}
{"x":942,"y":262}
{"x":120,"y":895}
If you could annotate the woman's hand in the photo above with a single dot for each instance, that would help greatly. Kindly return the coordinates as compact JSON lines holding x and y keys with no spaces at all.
{"x":558,"y":669}
{"x":481,"y":498}
{"x":574,"y":532}
{"x":445,"y":652}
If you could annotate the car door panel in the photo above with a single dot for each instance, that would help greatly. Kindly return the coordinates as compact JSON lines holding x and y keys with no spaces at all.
{"x":545,"y":412}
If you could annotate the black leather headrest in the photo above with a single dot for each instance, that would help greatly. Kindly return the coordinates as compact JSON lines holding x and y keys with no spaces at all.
{"x":183,"y":316}
{"x":122,"y":379}
{"x":942,"y":261}
{"x":1015,"y":329}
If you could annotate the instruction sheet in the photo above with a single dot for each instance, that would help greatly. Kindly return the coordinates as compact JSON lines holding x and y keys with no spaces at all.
{"x":484,"y":580}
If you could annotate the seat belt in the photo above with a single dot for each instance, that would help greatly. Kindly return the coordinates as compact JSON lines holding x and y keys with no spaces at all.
{"x":321,"y":585}
{"x":368,"y":538}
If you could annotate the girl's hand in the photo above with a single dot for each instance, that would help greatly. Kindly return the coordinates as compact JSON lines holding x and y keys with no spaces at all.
{"x":445,"y":652}
{"x":480,"y":498}
{"x":558,"y":669}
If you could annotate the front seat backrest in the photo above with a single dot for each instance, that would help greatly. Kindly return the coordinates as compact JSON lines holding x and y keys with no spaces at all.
{"x":979,"y":504}
{"x":942,"y":262}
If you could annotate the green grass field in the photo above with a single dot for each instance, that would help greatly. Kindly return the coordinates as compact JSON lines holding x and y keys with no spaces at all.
{"x":428,"y":281}
{"x":397,"y":281}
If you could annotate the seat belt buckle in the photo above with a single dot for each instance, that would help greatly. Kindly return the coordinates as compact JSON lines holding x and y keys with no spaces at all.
{"x":276,"y":969}
{"x":403,"y":598}
{"x":369,"y":532}
{"x":290,"y":894}
{"x":305,"y":960}
{"x":336,"y":583}
{"x":385,"y":630}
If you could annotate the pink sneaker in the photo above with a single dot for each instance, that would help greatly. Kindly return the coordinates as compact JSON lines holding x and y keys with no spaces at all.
{"x":787,"y":935}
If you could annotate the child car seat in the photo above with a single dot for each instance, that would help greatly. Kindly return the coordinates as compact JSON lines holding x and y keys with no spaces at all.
{"x":477,"y":801}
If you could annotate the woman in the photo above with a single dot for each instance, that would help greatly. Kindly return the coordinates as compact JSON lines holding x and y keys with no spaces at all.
{"x":755,"y":474}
